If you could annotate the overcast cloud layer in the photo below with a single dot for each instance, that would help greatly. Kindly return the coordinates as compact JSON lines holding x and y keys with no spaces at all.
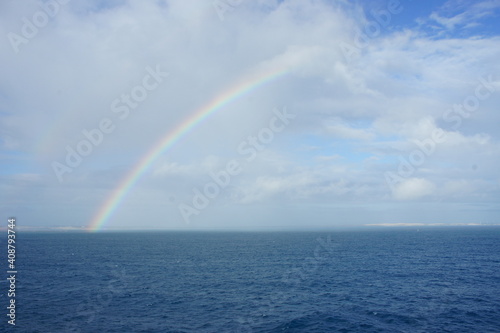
{"x":393,"y":112}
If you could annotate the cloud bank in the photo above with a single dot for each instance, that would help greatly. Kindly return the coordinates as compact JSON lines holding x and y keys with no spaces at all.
{"x":396,"y":114}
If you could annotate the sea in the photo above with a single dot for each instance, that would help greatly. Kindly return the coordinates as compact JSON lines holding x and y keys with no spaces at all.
{"x":367,"y":280}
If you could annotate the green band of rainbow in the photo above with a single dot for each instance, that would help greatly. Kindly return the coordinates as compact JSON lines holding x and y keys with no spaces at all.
{"x":128,"y":182}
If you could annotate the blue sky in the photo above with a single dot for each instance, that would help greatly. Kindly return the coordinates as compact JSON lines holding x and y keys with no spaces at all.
{"x":395,"y":106}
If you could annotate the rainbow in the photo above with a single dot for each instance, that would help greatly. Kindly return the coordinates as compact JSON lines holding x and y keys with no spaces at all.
{"x":166,"y":142}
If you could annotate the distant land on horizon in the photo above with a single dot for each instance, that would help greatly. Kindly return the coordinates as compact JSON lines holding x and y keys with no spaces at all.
{"x":270,"y":229}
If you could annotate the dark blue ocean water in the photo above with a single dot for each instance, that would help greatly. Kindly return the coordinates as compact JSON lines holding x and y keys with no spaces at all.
{"x":384,"y":280}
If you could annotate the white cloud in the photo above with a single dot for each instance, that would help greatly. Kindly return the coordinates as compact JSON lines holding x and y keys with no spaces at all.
{"x":414,"y":188}
{"x":342,"y":130}
{"x":354,"y":119}
{"x":469,"y":13}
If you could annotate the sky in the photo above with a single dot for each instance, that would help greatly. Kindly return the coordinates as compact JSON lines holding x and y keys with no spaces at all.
{"x":239,"y":114}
